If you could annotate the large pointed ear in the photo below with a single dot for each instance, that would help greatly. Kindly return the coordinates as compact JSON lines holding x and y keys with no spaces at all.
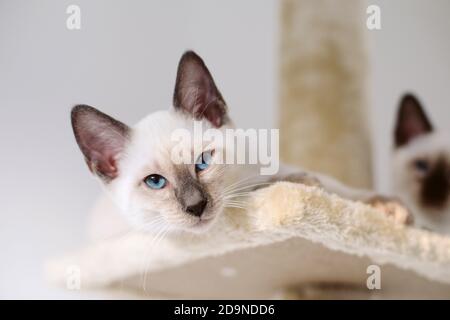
{"x":196,"y":93}
{"x":101,"y":139}
{"x":412,"y":121}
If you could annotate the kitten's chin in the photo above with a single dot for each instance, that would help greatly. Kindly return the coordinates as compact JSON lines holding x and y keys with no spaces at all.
{"x":202,"y":225}
{"x":197,"y":227}
{"x":205,"y":223}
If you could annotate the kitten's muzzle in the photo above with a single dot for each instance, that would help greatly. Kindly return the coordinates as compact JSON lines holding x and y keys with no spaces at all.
{"x":198,"y":208}
{"x":435,"y":191}
{"x":191,"y":196}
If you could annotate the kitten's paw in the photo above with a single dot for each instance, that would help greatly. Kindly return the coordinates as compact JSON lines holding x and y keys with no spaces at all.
{"x":392,"y":208}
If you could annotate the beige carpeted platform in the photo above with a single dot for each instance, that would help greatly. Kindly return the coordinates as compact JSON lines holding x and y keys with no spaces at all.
{"x":294,"y":242}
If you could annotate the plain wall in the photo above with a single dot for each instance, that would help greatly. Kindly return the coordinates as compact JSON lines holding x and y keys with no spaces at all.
{"x":411,"y":53}
{"x":123,"y":60}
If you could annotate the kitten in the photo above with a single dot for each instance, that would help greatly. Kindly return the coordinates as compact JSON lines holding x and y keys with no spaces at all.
{"x":421,"y":166}
{"x":134,"y":164}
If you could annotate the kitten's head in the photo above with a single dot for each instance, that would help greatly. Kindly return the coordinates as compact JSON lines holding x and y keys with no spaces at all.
{"x":422,"y":164}
{"x":135,"y":164}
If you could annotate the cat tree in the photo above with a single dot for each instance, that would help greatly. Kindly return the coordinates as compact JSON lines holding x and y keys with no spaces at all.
{"x":293,"y":241}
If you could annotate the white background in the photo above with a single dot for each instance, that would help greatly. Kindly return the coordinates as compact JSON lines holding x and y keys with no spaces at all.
{"x":123,"y":61}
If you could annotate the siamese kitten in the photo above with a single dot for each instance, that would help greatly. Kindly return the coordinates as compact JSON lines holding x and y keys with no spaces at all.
{"x":134,"y":163}
{"x":421,"y":166}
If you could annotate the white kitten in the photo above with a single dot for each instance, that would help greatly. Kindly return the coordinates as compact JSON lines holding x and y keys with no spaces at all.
{"x":421,"y":166}
{"x":153,"y":192}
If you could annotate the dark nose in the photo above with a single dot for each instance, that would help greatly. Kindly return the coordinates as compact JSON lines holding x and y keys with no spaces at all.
{"x":197,"y":209}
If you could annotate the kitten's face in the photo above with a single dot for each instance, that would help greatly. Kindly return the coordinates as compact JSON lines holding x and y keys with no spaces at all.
{"x":422,"y":166}
{"x":136,"y":164}
{"x":154,"y":190}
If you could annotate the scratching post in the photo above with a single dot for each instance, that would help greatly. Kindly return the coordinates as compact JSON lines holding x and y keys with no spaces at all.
{"x":322,"y":89}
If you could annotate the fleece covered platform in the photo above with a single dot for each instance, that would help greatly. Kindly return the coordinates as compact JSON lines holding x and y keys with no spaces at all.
{"x":292,"y":241}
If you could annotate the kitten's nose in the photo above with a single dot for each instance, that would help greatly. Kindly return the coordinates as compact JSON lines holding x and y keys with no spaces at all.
{"x":197,"y":209}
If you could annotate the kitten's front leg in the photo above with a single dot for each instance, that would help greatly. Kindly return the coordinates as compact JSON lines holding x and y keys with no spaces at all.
{"x":391,"y":207}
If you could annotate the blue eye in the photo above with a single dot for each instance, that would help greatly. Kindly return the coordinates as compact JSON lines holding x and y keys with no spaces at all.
{"x":155,"y":181}
{"x":203,"y":161}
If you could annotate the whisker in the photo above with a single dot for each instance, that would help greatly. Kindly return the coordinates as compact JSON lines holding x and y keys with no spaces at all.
{"x":246,"y":187}
{"x":160,"y":236}
{"x":237,"y":195}
{"x":153,"y":222}
{"x":237,"y":183}
{"x":235,"y":206}
{"x":236,"y":202}
{"x":147,"y":256}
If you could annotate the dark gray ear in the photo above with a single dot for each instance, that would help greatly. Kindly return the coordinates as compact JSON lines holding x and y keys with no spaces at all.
{"x":101,"y":139}
{"x":412,"y":121}
{"x":196,"y":93}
